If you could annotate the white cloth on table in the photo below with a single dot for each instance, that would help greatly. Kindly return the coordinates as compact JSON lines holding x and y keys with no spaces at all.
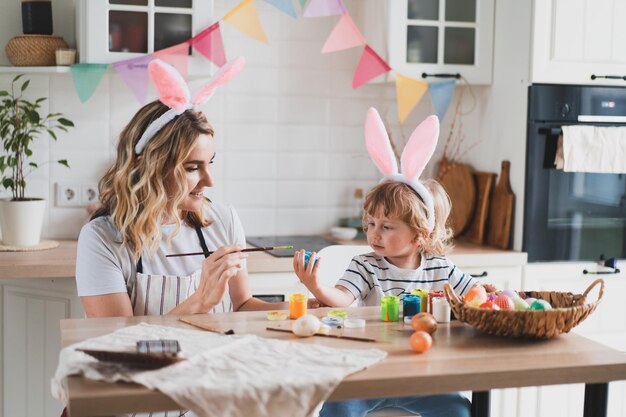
{"x":594,"y":149}
{"x":225,"y":375}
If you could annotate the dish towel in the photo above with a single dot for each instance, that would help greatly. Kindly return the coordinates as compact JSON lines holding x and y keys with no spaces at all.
{"x":594,"y":149}
{"x":224,"y":375}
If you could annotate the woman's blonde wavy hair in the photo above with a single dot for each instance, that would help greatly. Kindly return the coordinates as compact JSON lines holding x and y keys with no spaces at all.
{"x":140,"y":191}
{"x":399,"y":201}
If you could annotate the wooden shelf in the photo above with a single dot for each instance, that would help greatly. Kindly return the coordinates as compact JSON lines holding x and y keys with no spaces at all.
{"x":34,"y":70}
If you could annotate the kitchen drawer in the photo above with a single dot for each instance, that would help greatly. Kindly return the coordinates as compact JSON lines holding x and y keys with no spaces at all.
{"x":503,"y":277}
{"x":283,"y":283}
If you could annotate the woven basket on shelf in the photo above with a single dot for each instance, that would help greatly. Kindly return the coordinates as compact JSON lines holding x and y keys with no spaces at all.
{"x":34,"y":50}
{"x":567,"y":312}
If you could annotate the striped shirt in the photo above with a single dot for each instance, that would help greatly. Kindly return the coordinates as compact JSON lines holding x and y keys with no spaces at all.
{"x":369,"y":277}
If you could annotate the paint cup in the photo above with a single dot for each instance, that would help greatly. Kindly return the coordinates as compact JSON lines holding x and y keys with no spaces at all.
{"x":432,"y":295}
{"x":389,"y":308}
{"x":297,"y":305}
{"x":423,"y":294}
{"x":441,"y":310}
{"x":410,"y":305}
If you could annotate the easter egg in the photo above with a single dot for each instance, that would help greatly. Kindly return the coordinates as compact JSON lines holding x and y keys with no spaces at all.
{"x":510,"y":293}
{"x":504,"y":302}
{"x":424,"y":322}
{"x":530,"y":300}
{"x":474,"y":303}
{"x":520,"y":305}
{"x":307,"y":256}
{"x":491,"y":296}
{"x":420,"y":341}
{"x":490,"y":305}
{"x":306,"y":325}
{"x":477,"y":292}
{"x":540,"y":305}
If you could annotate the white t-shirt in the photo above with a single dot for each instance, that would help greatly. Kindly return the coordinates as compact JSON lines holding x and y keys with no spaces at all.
{"x":103,"y":266}
{"x":369,"y":277}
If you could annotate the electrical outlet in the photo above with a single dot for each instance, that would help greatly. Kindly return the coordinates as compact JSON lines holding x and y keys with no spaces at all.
{"x":68,"y":195}
{"x":89,"y":194}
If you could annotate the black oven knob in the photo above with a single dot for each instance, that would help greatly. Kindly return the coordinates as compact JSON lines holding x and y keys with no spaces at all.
{"x":565,"y":109}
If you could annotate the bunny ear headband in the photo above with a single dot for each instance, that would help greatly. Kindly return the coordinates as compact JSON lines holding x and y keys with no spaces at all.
{"x":174,"y":93}
{"x":415,"y":156}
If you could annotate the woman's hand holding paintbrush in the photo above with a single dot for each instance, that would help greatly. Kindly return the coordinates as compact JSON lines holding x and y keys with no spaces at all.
{"x":261,"y":249}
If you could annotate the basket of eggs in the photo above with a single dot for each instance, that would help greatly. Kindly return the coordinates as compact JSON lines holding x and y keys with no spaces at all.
{"x":533,"y":314}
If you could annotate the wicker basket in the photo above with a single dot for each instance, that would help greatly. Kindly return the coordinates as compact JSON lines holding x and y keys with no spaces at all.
{"x":568,"y":310}
{"x":34,"y":50}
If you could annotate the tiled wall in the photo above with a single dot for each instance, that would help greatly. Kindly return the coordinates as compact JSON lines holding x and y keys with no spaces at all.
{"x":289,"y":130}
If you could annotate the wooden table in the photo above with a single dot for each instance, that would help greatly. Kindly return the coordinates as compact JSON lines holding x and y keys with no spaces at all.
{"x":460,"y":359}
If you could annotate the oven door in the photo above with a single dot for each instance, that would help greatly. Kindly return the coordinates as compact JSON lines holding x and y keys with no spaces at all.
{"x":569,"y":215}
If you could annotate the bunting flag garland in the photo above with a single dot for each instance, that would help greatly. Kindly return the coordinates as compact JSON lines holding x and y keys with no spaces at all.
{"x":86,"y":78}
{"x":245,"y":19}
{"x":134,"y":72}
{"x":408,"y":93}
{"x":321,"y":8}
{"x":303,"y":3}
{"x":370,"y":66}
{"x":441,"y":94}
{"x":177,"y":56}
{"x":345,"y":35}
{"x":210,"y":44}
{"x":285,"y":6}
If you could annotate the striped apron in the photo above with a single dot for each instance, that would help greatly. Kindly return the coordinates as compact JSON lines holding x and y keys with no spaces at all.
{"x":154,"y":295}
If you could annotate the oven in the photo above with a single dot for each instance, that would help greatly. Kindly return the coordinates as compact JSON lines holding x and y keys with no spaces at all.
{"x":570,"y":216}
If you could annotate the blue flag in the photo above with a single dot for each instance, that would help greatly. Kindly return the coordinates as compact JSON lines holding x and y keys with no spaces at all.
{"x":86,"y":78}
{"x":441,"y":95}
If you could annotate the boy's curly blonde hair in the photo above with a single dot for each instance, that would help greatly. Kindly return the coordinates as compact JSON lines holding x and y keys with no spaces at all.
{"x":399,"y":201}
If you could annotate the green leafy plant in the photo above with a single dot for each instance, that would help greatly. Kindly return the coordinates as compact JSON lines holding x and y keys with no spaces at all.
{"x":20,"y":124}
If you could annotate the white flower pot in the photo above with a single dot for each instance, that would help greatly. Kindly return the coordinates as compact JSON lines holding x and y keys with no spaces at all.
{"x":21,"y":221}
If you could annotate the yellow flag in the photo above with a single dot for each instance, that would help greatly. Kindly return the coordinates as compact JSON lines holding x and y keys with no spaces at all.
{"x":408,"y":93}
{"x":245,"y":19}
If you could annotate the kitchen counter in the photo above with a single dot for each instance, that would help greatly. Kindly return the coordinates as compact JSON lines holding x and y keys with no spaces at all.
{"x":60,"y":262}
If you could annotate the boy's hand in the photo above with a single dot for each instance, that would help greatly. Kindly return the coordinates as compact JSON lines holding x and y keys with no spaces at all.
{"x":490,"y":287}
{"x":308,"y":275}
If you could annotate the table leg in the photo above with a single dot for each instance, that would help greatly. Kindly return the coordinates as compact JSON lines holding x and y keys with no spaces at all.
{"x":480,"y":403}
{"x":596,"y":399}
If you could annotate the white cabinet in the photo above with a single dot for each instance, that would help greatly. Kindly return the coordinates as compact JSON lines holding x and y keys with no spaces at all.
{"x":575,"y":39}
{"x":442,"y":36}
{"x":115,"y":30}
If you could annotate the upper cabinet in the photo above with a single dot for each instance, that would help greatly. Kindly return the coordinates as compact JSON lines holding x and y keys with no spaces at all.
{"x":442,"y":36}
{"x":579,"y":42}
{"x":114,"y":30}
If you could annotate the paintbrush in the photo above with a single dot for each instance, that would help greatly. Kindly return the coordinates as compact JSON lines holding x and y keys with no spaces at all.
{"x":336,"y":336}
{"x":205,"y":327}
{"x":266,"y":248}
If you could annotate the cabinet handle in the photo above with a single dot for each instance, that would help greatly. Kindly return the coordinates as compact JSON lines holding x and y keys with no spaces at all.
{"x":442,"y":75}
{"x":484,"y":274}
{"x":615,"y":271}
{"x":610,"y":77}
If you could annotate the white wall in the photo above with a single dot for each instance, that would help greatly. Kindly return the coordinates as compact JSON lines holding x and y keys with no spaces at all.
{"x":289,"y":127}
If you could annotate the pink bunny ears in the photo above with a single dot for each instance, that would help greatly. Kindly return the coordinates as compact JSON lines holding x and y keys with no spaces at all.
{"x":174,"y":93}
{"x":415,"y":156}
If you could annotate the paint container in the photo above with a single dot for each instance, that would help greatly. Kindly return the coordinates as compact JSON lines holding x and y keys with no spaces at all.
{"x":410,"y":305}
{"x":389,"y":308}
{"x":297,"y":305}
{"x":432,"y":295}
{"x":441,"y":310}
{"x":423,"y":294}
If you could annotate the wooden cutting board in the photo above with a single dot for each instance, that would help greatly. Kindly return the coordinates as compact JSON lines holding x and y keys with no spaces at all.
{"x":478,"y":225}
{"x":459,"y":183}
{"x":501,"y":211}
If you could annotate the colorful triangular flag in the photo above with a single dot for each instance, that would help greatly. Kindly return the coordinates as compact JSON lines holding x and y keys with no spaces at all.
{"x":441,"y":94}
{"x":370,"y":66}
{"x":245,"y":19}
{"x":320,"y":8}
{"x":134,"y":72}
{"x":303,"y":3}
{"x":210,"y":44}
{"x":408,"y":93}
{"x":177,"y":56}
{"x":285,"y":6}
{"x":86,"y":78}
{"x":345,"y":35}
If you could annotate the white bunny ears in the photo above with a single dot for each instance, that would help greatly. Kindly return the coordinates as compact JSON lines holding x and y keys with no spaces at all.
{"x":174,"y":93}
{"x":415,"y":156}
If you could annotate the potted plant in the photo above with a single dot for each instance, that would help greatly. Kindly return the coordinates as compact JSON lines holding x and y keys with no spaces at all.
{"x":21,"y":217}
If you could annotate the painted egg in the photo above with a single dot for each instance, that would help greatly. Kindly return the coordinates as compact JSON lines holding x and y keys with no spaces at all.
{"x":530,"y":300}
{"x":307,"y":256}
{"x":510,"y":293}
{"x":540,"y":305}
{"x":490,"y":305}
{"x":491,"y":296}
{"x":477,"y":293}
{"x":520,"y":305}
{"x":504,"y":302}
{"x":306,"y":325}
{"x":474,"y":303}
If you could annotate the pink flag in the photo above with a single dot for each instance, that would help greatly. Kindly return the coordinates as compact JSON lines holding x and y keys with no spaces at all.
{"x":209,"y":43}
{"x":177,"y":56}
{"x":370,"y":66}
{"x":134,"y":72}
{"x":345,"y":35}
{"x":319,"y":8}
